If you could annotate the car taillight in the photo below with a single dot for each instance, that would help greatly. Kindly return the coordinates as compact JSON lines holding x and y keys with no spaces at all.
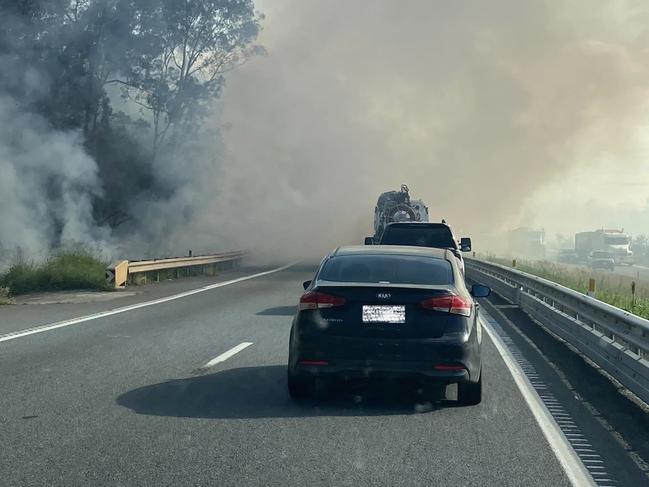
{"x":449,"y":367}
{"x":313,"y":362}
{"x":449,"y":303}
{"x":316,"y":300}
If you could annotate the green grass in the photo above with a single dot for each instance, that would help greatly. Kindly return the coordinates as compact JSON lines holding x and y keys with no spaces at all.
{"x":74,"y":268}
{"x":611,"y":288}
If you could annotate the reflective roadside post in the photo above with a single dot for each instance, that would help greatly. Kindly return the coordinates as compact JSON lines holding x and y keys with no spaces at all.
{"x":592,"y":291}
{"x":632,"y":293}
{"x":513,"y":262}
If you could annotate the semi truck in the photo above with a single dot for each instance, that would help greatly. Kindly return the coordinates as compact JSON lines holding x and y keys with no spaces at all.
{"x":527,"y":243}
{"x":397,"y":206}
{"x":614,"y":241}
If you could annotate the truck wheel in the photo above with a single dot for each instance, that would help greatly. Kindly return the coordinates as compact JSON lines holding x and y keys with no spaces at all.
{"x":469,"y":393}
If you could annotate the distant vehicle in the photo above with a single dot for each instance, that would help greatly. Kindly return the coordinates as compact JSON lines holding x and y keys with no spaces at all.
{"x":614,"y":241}
{"x":436,"y":235}
{"x":600,"y":259}
{"x":388,"y":312}
{"x":567,"y":256}
{"x":397,"y":206}
{"x":527,"y":242}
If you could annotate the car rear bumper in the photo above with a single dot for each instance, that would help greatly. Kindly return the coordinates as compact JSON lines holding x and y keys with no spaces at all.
{"x":354,"y":358}
{"x":376,"y":369}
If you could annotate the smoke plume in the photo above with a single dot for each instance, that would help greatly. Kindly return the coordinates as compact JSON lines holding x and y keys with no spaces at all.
{"x":46,"y":182}
{"x":477,"y":106}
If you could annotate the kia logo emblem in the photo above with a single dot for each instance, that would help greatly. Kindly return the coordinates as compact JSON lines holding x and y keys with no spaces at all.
{"x":384,"y":295}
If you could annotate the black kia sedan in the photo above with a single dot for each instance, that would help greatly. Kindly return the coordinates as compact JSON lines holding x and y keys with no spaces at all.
{"x":388,"y":312}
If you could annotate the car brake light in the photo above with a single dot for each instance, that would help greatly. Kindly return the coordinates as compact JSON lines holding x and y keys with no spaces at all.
{"x":313,"y":362}
{"x":449,"y":303}
{"x":316,"y":300}
{"x":449,"y":367}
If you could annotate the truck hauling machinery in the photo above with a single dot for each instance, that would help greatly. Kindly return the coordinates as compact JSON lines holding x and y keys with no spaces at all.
{"x":397,"y":206}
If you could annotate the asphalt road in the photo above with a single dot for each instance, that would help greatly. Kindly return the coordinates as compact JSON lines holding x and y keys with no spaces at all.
{"x":639,"y":272}
{"x":126,"y":400}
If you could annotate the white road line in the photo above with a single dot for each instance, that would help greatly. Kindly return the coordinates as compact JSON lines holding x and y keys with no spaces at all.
{"x":575,"y":470}
{"x":103,"y":314}
{"x":226,"y":355}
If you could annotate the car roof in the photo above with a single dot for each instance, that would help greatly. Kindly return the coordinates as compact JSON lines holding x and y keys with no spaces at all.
{"x":391,"y":250}
{"x":410,"y":224}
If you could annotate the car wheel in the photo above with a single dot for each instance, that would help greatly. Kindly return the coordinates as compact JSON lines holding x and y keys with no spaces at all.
{"x":470,"y":393}
{"x":300,"y":387}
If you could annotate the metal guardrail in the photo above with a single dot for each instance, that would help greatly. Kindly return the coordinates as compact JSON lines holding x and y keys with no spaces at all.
{"x":617,"y":341}
{"x":118,"y":273}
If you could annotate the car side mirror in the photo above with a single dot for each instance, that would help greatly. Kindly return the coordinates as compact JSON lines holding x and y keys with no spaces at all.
{"x":369,"y":240}
{"x":465,"y":244}
{"x":306,"y":284}
{"x":480,"y":291}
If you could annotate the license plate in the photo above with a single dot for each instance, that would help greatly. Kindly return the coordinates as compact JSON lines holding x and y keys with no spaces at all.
{"x":384,"y":314}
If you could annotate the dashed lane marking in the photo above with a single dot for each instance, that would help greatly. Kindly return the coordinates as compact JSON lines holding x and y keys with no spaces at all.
{"x":226,"y":355}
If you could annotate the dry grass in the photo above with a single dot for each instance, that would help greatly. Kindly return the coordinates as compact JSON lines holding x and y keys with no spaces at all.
{"x":614,"y":289}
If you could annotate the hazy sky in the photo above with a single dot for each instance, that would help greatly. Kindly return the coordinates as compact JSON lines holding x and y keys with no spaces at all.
{"x":496,"y":113}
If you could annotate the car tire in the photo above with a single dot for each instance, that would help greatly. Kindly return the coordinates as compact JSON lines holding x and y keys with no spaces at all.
{"x":300,"y":387}
{"x":470,"y":393}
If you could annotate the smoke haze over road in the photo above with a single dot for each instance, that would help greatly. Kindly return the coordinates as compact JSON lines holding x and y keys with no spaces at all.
{"x":489,"y":112}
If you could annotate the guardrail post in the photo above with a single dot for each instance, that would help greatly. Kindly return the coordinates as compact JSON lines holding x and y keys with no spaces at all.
{"x":139,"y":279}
{"x":517,"y":295}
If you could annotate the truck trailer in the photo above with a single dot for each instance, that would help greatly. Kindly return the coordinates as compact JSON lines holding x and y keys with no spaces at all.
{"x":397,"y":206}
{"x":526,"y":242}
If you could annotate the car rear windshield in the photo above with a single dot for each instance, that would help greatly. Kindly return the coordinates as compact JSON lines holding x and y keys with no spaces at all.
{"x":424,"y":236}
{"x":393,"y":269}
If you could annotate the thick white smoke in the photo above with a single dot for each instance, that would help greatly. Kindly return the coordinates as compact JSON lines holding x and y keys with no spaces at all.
{"x":46,"y":182}
{"x":476,"y":105}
